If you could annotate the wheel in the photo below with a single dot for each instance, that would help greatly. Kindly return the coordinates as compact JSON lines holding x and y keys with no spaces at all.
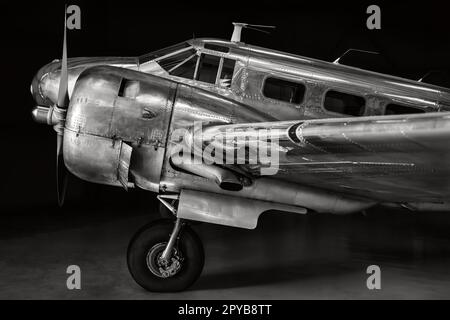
{"x":146,"y":247}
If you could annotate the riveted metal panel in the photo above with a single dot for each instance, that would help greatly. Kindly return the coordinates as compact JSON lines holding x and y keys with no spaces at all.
{"x":144,"y":115}
{"x":93,"y":158}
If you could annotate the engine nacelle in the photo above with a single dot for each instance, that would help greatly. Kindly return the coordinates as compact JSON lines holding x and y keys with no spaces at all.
{"x":116,"y":125}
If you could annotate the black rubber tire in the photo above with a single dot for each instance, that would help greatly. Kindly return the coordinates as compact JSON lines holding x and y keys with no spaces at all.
{"x":189,"y":244}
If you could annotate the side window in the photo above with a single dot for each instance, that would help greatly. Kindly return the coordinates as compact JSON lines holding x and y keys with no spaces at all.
{"x":344,"y":103}
{"x":181,"y":64}
{"x":283,"y":90}
{"x":227,"y":72}
{"x":399,"y":109}
{"x":208,"y":67}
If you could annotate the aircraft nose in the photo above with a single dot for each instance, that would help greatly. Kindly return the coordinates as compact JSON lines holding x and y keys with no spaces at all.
{"x":45,"y":84}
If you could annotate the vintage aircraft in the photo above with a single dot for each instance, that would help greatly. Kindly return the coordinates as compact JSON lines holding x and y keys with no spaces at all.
{"x":340,"y":140}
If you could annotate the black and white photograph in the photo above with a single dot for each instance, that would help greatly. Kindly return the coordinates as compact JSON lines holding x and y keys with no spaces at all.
{"x":225,"y":151}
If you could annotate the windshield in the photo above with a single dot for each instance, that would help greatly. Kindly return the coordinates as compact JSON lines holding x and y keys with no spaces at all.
{"x":163,"y":52}
{"x":184,"y":61}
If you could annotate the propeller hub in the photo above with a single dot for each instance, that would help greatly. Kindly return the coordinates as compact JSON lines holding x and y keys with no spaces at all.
{"x":58,"y":117}
{"x":49,"y":115}
{"x":40,"y":114}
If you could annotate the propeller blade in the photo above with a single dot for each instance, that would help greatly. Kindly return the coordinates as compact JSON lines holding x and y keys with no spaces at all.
{"x":63,"y":95}
{"x":61,"y":171}
{"x":63,"y":102}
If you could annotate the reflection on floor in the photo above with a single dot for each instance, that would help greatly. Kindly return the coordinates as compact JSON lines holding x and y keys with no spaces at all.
{"x":287,"y":257}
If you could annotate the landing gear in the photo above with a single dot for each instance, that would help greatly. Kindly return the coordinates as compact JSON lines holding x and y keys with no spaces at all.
{"x":165,"y":256}
{"x":167,"y":205}
{"x":165,"y":213}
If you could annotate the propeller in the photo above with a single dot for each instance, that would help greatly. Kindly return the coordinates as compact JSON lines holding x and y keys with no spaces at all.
{"x":60,"y":111}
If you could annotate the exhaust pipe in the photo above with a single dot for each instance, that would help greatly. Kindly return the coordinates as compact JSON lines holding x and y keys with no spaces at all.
{"x":225,"y":179}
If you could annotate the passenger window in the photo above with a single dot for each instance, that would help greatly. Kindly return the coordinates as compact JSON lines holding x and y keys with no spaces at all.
{"x":208,"y":67}
{"x":399,"y":109}
{"x":344,"y":103}
{"x":227,"y":72}
{"x":180,"y":65}
{"x":283,"y":90}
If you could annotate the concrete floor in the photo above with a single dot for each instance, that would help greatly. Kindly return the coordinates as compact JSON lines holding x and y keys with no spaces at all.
{"x":287,"y":257}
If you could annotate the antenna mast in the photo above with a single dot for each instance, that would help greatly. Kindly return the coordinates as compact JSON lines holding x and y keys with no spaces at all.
{"x":236,"y":37}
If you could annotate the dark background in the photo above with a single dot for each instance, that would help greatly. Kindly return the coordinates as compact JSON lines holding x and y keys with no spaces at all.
{"x":413,"y":40}
{"x":288,"y":256}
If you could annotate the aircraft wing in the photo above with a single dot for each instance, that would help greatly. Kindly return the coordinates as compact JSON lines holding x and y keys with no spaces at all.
{"x":387,"y":158}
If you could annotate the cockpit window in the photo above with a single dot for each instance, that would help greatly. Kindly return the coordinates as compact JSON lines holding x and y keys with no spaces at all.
{"x":209,"y":65}
{"x":183,"y":60}
{"x":227,"y":72}
{"x":180,"y":65}
{"x":215,"y":70}
{"x":162,"y":52}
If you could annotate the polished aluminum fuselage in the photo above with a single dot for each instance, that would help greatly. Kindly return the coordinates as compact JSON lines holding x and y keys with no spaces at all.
{"x":255,"y":64}
{"x":123,"y":113}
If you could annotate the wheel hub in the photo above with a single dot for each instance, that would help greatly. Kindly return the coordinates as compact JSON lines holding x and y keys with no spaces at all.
{"x":160,"y":267}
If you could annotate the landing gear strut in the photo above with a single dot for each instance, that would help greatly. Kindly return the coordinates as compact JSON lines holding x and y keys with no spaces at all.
{"x":165,"y":256}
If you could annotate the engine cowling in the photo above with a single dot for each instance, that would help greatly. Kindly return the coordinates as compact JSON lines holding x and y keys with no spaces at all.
{"x":117,"y":125}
